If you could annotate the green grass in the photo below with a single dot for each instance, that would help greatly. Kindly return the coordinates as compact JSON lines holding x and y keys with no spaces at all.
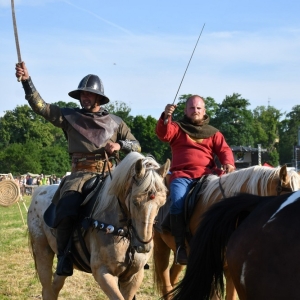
{"x":17,"y":273}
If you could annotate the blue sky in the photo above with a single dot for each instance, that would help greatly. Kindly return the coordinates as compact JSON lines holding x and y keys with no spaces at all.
{"x":140,"y":50}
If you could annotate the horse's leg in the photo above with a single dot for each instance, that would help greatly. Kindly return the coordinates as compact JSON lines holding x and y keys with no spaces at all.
{"x":108,"y":283}
{"x":230,"y":288}
{"x":175,"y":271}
{"x":43,"y":257}
{"x":161,"y":257}
{"x":129,"y":287}
{"x":58,"y":283}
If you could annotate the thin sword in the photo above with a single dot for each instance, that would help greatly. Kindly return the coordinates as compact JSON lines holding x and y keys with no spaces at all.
{"x":166,"y":120}
{"x":16,"y":35}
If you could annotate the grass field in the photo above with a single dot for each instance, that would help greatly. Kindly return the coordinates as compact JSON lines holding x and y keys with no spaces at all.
{"x":17,"y":274}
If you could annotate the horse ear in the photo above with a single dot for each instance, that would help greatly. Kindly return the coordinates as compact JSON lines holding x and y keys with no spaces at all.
{"x":164,"y":169}
{"x":139,"y":169}
{"x":283,"y":173}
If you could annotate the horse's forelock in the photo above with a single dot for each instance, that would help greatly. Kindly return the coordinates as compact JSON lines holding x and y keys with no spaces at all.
{"x":122,"y":176}
{"x":151,"y":181}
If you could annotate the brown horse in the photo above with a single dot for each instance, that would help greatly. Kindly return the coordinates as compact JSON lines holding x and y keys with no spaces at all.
{"x":256,"y":180}
{"x":259,"y":237}
{"x":119,"y":239}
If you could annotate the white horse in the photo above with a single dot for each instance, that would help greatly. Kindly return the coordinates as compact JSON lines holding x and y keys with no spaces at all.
{"x":129,"y":201}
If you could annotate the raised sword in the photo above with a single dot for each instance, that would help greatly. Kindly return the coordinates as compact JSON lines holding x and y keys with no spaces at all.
{"x":167,"y":119}
{"x":16,"y":35}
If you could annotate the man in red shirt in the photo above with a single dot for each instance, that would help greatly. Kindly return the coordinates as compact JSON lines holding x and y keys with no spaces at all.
{"x":194,"y":144}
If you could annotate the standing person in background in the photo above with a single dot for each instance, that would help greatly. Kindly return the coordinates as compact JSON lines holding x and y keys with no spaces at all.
{"x":29,"y":180}
{"x":194,"y":144}
{"x":43,"y":179}
{"x":22,"y":185}
{"x":92,"y":133}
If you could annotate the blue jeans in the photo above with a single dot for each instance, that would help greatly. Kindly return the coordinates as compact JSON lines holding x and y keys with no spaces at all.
{"x":179,"y":187}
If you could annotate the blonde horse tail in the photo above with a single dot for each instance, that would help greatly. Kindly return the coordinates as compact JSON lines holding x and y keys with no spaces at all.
{"x":161,"y":254}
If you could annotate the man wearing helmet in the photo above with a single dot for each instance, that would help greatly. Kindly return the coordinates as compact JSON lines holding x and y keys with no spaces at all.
{"x":91,"y":132}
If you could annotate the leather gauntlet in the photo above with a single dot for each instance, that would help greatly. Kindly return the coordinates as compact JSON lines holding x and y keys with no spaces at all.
{"x":28,"y":86}
{"x":128,"y":146}
{"x":34,"y":99}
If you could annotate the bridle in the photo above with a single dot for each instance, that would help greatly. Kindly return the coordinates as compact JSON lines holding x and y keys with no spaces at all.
{"x":281,"y":188}
{"x":131,"y":229}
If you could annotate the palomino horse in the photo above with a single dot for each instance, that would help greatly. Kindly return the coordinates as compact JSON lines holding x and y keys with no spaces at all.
{"x":259,"y":237}
{"x":129,"y":201}
{"x":257,"y":180}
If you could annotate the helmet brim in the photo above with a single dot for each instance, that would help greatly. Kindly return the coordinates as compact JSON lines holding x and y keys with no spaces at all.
{"x":76,"y":94}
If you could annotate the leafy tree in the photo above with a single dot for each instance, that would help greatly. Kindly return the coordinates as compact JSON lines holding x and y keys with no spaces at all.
{"x":211,"y":107}
{"x":288,"y":133}
{"x":20,"y":158}
{"x":120,"y":109}
{"x":55,"y":160}
{"x":144,"y":131}
{"x":22,"y":125}
{"x":266,"y":124}
{"x":235,"y":121}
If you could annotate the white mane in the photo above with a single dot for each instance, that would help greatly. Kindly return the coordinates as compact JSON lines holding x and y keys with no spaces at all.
{"x":255,"y":178}
{"x":122,"y":175}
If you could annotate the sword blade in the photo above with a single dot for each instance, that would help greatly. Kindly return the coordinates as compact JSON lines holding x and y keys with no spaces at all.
{"x":16,"y":31}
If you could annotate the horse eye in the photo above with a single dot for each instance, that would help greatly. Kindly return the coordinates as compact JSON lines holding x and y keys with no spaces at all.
{"x":136,"y":202}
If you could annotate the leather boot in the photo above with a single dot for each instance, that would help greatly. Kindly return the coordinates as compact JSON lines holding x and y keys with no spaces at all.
{"x":178,"y":231}
{"x":64,"y":233}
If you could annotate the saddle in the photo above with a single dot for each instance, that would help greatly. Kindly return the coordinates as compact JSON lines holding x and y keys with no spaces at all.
{"x":163,"y":217}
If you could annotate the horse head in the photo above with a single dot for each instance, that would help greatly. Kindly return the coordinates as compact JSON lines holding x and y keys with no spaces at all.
{"x":147,"y":194}
{"x":288,"y":181}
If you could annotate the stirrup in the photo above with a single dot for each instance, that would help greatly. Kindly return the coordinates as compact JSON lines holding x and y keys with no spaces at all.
{"x":181,"y":260}
{"x":64,"y":265}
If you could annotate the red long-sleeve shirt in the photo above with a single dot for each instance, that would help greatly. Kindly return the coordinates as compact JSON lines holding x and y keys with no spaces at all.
{"x":193,"y":159}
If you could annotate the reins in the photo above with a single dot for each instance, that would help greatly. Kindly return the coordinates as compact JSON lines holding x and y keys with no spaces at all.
{"x":131,"y":228}
{"x":122,"y":231}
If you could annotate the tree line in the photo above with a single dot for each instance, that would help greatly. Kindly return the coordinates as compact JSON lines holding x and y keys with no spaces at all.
{"x":29,"y":143}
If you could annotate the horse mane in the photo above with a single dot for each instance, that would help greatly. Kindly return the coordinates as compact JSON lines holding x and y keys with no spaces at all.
{"x":115,"y":186}
{"x":254,"y":179}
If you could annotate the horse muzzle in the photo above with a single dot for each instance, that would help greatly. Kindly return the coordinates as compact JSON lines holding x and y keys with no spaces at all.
{"x":143,"y":248}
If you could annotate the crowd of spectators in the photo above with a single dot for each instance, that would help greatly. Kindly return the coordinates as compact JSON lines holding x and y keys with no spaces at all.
{"x":28,"y":182}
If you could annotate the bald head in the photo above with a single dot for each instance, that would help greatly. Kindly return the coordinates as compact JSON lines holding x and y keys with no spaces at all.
{"x":195,"y":109}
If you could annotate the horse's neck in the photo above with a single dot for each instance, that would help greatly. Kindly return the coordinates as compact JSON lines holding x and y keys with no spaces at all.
{"x":115,"y":215}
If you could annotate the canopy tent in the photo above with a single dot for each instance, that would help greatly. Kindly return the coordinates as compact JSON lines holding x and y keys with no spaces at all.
{"x":34,"y":175}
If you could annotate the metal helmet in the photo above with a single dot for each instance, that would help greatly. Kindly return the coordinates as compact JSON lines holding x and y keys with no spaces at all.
{"x":90,"y":83}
